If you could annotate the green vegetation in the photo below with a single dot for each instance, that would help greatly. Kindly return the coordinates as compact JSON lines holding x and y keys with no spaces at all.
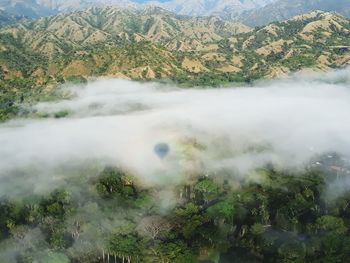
{"x":208,"y":79}
{"x":284,"y":218}
{"x":110,"y":216}
{"x":154,"y":46}
{"x":61,"y":114}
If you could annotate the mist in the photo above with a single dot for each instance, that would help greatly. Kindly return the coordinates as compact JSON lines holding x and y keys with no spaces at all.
{"x":119,"y":122}
{"x":222,"y":132}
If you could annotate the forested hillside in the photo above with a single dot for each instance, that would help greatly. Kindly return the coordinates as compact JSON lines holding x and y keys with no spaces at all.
{"x":153,"y":44}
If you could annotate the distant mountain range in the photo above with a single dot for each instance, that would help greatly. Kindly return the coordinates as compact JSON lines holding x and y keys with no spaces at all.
{"x":211,"y":7}
{"x":6,"y":18}
{"x":37,"y":8}
{"x":249,"y":12}
{"x":284,"y":9}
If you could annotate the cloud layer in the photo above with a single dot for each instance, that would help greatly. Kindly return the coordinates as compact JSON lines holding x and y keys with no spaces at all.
{"x":119,"y":122}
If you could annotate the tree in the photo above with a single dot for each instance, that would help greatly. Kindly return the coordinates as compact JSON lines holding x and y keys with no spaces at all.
{"x":57,"y":205}
{"x":174,"y":252}
{"x":10,"y":216}
{"x":330,"y":225}
{"x":222,"y":210}
{"x":292,"y":251}
{"x":154,"y":227}
{"x":126,"y":246}
{"x":115,"y":182}
{"x":206,"y":189}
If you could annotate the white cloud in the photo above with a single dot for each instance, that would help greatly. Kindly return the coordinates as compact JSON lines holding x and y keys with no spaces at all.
{"x":120,"y":122}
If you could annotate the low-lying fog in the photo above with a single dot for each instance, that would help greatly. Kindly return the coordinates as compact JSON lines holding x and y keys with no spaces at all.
{"x":120,"y":122}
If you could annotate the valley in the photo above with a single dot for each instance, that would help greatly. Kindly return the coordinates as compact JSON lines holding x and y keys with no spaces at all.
{"x":134,"y":172}
{"x":174,"y":131}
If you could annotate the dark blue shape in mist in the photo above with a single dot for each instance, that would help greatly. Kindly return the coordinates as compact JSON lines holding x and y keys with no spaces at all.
{"x":162,"y":150}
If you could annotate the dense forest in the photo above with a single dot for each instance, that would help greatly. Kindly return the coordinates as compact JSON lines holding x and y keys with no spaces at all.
{"x":105,"y":215}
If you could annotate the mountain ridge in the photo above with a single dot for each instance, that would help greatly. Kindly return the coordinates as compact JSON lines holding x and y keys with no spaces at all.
{"x":153,"y":44}
{"x":96,"y":25}
{"x":38,"y":8}
{"x":204,"y":38}
{"x":7,"y":19}
{"x":285,"y":9}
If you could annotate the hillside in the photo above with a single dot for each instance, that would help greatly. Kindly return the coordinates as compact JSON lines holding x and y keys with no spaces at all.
{"x":318,"y":40}
{"x":285,"y":9}
{"x":156,"y":44}
{"x":54,"y":35}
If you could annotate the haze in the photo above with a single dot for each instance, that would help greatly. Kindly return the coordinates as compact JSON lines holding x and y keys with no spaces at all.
{"x":119,"y":122}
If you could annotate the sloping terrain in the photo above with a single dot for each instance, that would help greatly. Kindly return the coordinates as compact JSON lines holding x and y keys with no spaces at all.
{"x":95,"y":25}
{"x":285,"y":9}
{"x":98,"y":40}
{"x":156,"y":44}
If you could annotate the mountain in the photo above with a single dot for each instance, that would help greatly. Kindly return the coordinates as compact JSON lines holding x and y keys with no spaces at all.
{"x":211,"y":7}
{"x":6,"y":18}
{"x":55,"y":35}
{"x":249,"y":12}
{"x":27,"y":8}
{"x":285,"y":9}
{"x":39,"y":8}
{"x":155,"y":44}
